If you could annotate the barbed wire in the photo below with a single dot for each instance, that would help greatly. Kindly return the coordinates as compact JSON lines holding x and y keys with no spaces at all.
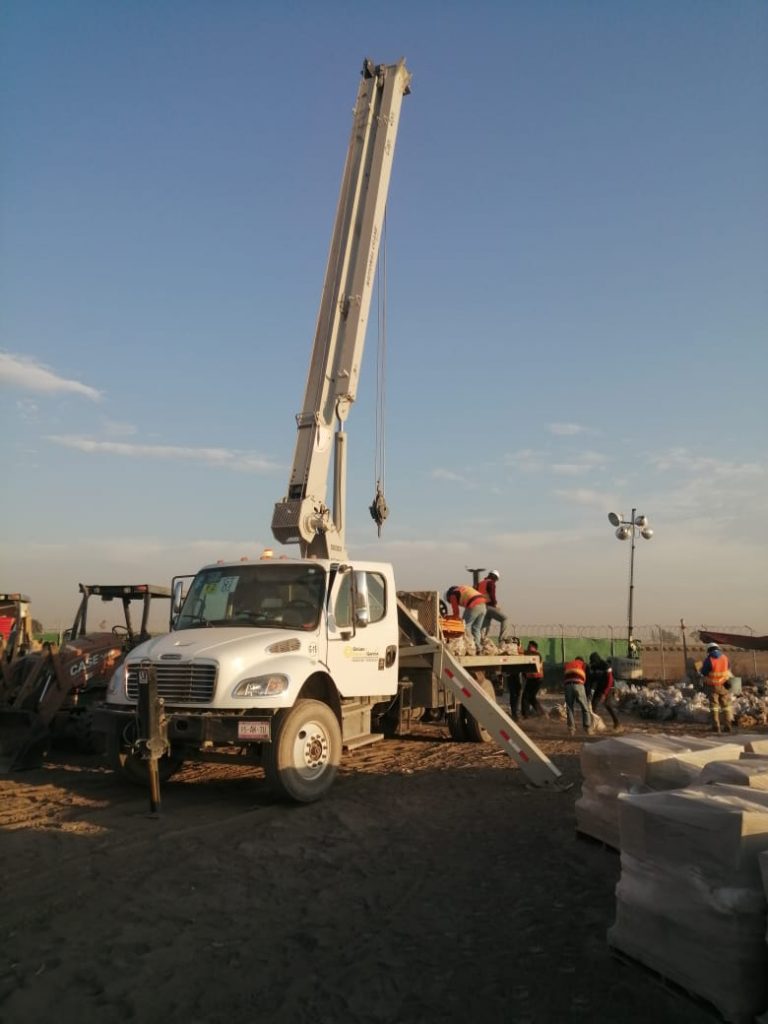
{"x":645,"y":634}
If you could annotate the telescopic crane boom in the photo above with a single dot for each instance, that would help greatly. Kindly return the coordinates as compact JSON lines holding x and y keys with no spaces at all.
{"x":303,"y":517}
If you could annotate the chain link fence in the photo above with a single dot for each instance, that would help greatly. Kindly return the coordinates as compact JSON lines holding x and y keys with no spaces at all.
{"x":667,"y":654}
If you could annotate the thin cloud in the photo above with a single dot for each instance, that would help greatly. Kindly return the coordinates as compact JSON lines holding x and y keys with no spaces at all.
{"x":587,"y":496}
{"x":222,"y":457}
{"x":533,"y":539}
{"x":448,"y":474}
{"x":702,"y":465}
{"x":25,"y":374}
{"x":527,"y":460}
{"x":116,"y":429}
{"x":584,"y":462}
{"x":27,"y":409}
{"x":566,"y":429}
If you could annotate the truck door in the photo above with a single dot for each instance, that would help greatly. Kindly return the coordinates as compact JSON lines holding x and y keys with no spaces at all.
{"x":362,"y":634}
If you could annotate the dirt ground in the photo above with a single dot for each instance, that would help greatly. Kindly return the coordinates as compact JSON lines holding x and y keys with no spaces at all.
{"x":431,"y":885}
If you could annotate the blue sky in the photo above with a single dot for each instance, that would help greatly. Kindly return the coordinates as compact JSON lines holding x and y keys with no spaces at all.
{"x":577,"y":257}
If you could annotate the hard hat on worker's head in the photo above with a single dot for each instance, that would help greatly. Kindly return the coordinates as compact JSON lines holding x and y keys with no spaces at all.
{"x":713,"y":647}
{"x":495,"y":574}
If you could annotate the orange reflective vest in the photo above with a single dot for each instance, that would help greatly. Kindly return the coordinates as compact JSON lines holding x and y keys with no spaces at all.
{"x":467,"y":597}
{"x":533,"y":673}
{"x":718,"y":671}
{"x":575,"y":672}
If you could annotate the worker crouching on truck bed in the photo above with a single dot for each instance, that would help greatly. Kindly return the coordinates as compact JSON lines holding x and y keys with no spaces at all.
{"x":493,"y":613}
{"x":576,"y":693}
{"x":716,"y":672}
{"x":473,"y":604}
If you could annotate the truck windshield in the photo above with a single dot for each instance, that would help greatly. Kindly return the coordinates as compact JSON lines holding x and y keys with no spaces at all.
{"x":280,"y":595}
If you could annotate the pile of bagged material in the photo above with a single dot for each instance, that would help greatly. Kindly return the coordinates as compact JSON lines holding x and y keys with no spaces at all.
{"x":684,"y":703}
{"x":465,"y":645}
{"x":691,"y":903}
{"x":640,"y":763}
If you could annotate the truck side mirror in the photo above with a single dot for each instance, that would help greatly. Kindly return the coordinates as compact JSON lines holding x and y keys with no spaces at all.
{"x":362,"y":613}
{"x":177,"y":600}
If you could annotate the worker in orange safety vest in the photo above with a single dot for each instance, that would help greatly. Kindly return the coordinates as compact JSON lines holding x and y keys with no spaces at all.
{"x":532,"y":677}
{"x":473,"y":604}
{"x":575,"y":673}
{"x":716,"y":673}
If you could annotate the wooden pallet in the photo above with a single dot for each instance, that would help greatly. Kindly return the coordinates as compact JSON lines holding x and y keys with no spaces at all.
{"x":677,"y":989}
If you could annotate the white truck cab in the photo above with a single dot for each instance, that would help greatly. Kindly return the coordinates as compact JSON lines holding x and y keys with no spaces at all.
{"x":252,"y":642}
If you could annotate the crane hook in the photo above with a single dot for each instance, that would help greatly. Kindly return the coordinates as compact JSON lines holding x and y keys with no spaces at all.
{"x":378,"y":507}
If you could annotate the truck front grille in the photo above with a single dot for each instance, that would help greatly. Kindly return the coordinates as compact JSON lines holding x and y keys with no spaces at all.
{"x":189,"y":683}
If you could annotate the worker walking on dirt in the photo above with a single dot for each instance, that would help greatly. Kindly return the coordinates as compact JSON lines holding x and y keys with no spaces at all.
{"x":575,"y":673}
{"x":493,"y":613}
{"x":716,"y":672}
{"x":532,"y":678}
{"x":473,"y":604}
{"x":600,"y":675}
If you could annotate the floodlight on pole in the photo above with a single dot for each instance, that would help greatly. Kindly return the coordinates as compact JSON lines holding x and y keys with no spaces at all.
{"x":626,"y":530}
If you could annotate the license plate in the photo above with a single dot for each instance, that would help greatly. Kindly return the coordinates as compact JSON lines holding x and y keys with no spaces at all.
{"x":253,"y":730}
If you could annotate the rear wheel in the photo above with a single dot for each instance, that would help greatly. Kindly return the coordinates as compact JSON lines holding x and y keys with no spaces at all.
{"x":457,"y":724}
{"x":476,"y":733}
{"x":302,"y":760}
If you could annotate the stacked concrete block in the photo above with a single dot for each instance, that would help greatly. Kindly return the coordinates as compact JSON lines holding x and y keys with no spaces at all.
{"x":763,"y":862}
{"x":637,"y":763}
{"x":754,"y":743}
{"x":690,"y":902}
{"x":746,"y":772}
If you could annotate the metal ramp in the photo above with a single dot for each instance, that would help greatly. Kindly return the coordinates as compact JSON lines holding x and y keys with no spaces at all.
{"x":467,"y":691}
{"x":509,"y":736}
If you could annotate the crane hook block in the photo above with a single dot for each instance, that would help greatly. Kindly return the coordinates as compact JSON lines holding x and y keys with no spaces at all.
{"x":378,"y":508}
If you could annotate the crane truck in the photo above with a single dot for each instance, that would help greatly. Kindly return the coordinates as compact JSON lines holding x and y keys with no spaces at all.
{"x":286,"y":662}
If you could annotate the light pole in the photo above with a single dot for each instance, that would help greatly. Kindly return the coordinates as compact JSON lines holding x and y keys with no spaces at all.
{"x":754,"y":653}
{"x":685,"y":649}
{"x":625,"y":530}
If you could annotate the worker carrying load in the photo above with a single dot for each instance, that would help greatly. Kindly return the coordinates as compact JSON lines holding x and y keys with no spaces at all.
{"x":474,"y":605}
{"x":493,"y":613}
{"x":716,"y":673}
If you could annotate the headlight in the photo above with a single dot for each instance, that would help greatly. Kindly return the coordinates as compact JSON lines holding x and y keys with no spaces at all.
{"x":262,"y":686}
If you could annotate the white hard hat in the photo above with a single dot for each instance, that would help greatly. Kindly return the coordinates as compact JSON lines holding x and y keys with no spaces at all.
{"x":713,"y":647}
{"x":495,"y":574}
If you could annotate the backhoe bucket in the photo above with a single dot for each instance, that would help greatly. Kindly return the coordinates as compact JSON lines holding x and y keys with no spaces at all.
{"x":24,"y":739}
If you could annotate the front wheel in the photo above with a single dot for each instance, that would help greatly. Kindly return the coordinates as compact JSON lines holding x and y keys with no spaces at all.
{"x":302,"y":760}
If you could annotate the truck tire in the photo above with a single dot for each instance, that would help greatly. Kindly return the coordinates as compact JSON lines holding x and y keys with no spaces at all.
{"x":475,"y":732}
{"x":457,"y":724}
{"x":302,"y":760}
